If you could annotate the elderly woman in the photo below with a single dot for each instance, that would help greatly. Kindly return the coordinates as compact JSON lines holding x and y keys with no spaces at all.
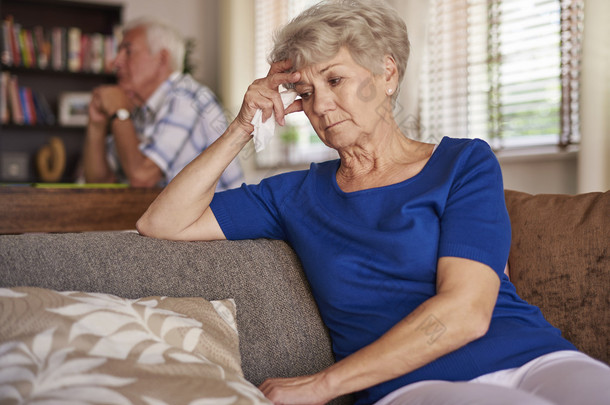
{"x":404,"y":243}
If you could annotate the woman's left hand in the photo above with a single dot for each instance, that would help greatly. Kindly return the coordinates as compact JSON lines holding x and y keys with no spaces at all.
{"x":305,"y":390}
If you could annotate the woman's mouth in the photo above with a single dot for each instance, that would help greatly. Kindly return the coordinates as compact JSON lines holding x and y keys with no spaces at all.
{"x":333,"y":125}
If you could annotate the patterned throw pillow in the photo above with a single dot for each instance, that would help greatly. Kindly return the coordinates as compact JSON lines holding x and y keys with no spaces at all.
{"x":89,"y":348}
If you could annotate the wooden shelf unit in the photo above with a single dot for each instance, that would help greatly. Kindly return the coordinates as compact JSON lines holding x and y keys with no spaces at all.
{"x":24,"y":141}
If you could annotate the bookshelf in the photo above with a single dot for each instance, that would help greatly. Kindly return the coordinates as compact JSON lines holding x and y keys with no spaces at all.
{"x":52,"y":70}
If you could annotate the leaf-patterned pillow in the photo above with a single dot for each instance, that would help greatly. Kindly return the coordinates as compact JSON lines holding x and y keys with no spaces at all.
{"x":89,"y":348}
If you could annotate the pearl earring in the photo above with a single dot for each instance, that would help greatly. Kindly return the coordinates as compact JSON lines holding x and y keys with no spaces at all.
{"x":390,"y":91}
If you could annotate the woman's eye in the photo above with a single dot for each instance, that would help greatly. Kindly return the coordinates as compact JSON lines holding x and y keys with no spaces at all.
{"x":305,"y":95}
{"x":334,"y":81}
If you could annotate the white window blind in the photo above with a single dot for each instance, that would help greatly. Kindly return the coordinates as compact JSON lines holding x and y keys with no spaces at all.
{"x":502,"y":70}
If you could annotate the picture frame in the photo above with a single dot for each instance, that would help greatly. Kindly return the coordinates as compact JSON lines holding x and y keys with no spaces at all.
{"x":74,"y":108}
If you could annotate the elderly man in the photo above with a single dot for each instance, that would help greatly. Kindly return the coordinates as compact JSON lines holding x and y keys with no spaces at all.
{"x":159,"y":118}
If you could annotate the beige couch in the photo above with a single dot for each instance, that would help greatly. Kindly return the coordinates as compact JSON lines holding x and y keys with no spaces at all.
{"x":560,"y":261}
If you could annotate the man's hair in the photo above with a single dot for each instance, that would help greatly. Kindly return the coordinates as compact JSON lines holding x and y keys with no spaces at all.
{"x":161,"y":36}
{"x":370,"y":30}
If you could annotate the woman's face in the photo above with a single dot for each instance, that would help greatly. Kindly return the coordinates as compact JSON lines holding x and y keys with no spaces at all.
{"x":345,"y":103}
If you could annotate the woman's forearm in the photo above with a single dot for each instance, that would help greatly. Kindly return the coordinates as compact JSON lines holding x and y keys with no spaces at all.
{"x":459,"y":313}
{"x":187,"y":197}
{"x":428,"y":333}
{"x":432,"y":331}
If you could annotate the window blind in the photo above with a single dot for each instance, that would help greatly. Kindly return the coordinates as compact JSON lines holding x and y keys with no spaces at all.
{"x":502,"y":70}
{"x":270,"y":15}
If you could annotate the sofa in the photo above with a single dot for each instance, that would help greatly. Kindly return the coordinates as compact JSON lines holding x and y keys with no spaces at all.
{"x":559,"y":261}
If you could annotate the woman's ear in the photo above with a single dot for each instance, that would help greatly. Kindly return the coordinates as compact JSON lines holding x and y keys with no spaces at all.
{"x":390,"y":71}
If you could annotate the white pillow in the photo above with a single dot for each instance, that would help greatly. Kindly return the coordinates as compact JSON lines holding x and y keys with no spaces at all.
{"x":85,"y":348}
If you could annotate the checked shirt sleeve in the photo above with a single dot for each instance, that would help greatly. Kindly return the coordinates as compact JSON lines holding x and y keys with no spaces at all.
{"x":187,"y":122}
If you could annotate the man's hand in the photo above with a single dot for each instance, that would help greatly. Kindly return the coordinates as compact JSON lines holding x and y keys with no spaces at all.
{"x":105,"y":101}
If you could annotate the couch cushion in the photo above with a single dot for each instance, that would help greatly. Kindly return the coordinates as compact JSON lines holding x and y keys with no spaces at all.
{"x":75,"y":346}
{"x":560,"y":261}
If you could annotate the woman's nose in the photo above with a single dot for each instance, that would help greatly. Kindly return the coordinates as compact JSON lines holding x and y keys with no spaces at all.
{"x":323,"y":101}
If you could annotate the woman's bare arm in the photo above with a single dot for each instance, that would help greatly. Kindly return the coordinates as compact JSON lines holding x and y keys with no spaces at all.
{"x":181,"y":211}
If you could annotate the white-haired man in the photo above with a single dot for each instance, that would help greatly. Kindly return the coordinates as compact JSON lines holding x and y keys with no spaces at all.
{"x":159,"y":118}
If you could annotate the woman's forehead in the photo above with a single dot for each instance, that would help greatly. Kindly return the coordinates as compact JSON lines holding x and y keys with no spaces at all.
{"x":343,"y":57}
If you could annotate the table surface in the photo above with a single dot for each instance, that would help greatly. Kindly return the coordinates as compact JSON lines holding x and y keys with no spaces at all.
{"x":72,"y":209}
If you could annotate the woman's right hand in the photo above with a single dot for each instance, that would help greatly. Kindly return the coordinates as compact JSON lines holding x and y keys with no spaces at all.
{"x":181,"y":211}
{"x":263,"y":94}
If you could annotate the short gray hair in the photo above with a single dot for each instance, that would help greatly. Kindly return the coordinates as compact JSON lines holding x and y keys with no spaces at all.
{"x":369,"y":29}
{"x":161,"y":36}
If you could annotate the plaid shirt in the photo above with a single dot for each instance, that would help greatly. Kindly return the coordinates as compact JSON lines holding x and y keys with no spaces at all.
{"x":176,"y":124}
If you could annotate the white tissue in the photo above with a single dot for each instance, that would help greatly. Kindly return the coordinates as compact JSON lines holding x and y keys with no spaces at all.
{"x":264,"y":131}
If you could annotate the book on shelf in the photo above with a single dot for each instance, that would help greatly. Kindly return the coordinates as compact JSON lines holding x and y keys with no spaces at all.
{"x":14,"y":101}
{"x":43,"y":110}
{"x":29,"y":47}
{"x":27,"y":114}
{"x":12,"y":29}
{"x":110,"y":51}
{"x":74,"y":49}
{"x":58,"y":48}
{"x":21,"y":105}
{"x":4,"y":111}
{"x":42,"y":45}
{"x":31,"y":108}
{"x":85,"y":56}
{"x":21,"y":44}
{"x":96,"y":53}
{"x":28,"y":53}
{"x":6,"y":56}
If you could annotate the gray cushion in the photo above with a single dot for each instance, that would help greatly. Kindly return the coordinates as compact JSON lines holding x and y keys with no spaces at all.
{"x":281,"y":333}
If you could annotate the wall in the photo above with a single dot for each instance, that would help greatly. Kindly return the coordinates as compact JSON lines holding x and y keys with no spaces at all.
{"x":594,"y":159}
{"x":545,"y":170}
{"x":237,"y":66}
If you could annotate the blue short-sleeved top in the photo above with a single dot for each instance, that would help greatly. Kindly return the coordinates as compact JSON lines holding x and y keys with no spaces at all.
{"x":370,"y":256}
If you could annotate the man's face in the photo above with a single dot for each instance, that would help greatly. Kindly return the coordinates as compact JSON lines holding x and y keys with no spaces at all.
{"x":139,"y":72}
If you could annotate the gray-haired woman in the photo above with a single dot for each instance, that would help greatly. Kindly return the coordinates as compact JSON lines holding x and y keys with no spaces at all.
{"x":404,"y":243}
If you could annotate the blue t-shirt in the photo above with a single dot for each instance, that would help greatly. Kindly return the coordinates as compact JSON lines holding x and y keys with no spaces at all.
{"x":371,"y":256}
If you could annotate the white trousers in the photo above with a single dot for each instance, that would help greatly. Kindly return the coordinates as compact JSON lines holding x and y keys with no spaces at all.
{"x":559,"y":378}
